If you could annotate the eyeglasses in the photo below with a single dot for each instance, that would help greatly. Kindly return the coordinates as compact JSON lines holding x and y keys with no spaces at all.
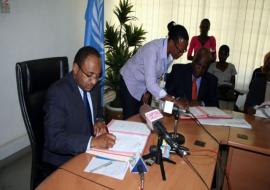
{"x":91,"y":76}
{"x":178,"y":49}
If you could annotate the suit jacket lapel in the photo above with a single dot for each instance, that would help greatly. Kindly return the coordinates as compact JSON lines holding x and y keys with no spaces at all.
{"x":76,"y":93}
{"x":202,"y":89}
{"x":189,"y":82}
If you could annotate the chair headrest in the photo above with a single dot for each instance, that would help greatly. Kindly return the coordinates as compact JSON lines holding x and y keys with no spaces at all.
{"x":38,"y":75}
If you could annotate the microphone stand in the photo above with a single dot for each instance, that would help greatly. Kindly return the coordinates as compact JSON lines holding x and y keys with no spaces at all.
{"x":177,"y":137}
{"x":156,"y":155}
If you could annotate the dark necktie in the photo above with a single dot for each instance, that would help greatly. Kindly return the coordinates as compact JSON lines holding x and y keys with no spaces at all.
{"x":88,"y":111}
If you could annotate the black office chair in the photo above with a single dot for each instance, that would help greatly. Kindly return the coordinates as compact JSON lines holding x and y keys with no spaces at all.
{"x":228,"y":94}
{"x":33,"y":79}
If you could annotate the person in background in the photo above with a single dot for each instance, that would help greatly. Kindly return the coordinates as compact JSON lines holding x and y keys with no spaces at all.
{"x":73,"y":111}
{"x":259,"y":91}
{"x":261,"y":69}
{"x":225,"y":73}
{"x":203,"y":40}
{"x":191,"y":82}
{"x":141,"y":74}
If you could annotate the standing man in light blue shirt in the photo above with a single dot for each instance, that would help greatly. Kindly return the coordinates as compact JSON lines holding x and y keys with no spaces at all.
{"x":141,"y":74}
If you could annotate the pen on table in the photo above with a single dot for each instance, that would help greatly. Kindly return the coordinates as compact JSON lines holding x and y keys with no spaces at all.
{"x":101,"y":166}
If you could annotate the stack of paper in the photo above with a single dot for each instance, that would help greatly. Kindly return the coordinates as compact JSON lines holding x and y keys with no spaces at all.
{"x":206,"y":112}
{"x":131,"y":138}
{"x":215,"y":116}
{"x":234,"y":122}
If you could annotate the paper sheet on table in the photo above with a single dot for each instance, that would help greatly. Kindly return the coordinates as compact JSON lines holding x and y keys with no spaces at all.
{"x":129,"y":143}
{"x":201,"y":112}
{"x":215,"y":112}
{"x":263,"y":112}
{"x":125,"y":145}
{"x":235,"y":122}
{"x":197,"y":112}
{"x":128,"y":126}
{"x":116,"y":170}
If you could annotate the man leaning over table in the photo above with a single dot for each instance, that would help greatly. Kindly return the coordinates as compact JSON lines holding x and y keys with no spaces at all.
{"x":73,"y":110}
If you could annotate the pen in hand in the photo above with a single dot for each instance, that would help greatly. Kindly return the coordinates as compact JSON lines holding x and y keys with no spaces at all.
{"x":106,"y":128}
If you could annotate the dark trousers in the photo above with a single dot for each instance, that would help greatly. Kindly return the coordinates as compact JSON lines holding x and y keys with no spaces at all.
{"x":130,"y":105}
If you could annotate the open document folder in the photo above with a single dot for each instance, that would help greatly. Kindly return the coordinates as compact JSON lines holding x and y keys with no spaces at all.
{"x":206,"y":112}
{"x":215,"y":116}
{"x":131,"y":137}
{"x":234,"y":122}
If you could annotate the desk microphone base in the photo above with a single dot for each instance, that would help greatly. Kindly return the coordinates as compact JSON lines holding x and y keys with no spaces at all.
{"x":156,"y":155}
{"x":177,"y":137}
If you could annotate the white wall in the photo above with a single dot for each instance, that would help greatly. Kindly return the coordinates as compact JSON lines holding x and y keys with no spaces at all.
{"x":33,"y":29}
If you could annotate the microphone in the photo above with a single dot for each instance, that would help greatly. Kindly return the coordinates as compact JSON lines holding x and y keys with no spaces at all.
{"x":170,"y":108}
{"x":137,"y":165}
{"x":141,"y":173}
{"x":152,"y":118}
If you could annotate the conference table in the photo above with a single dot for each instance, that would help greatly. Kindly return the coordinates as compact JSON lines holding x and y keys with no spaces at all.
{"x":248,"y":165}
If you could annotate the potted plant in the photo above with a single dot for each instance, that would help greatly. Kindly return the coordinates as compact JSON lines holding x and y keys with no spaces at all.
{"x":121,"y":42}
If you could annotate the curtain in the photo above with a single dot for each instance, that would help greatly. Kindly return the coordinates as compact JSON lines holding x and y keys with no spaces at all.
{"x":243,"y":25}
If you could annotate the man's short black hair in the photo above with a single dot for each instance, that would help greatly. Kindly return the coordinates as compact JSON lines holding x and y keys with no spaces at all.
{"x":201,"y":53}
{"x":225,"y":48}
{"x":83,"y":53}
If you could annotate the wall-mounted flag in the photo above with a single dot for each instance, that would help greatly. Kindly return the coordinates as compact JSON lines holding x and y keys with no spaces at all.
{"x":94,"y":32}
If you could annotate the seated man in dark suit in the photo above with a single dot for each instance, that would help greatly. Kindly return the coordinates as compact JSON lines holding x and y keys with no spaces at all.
{"x":262,"y":69}
{"x":192,"y":82}
{"x":259,"y":91}
{"x":73,"y":109}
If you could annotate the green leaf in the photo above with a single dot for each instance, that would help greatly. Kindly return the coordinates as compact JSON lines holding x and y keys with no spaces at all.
{"x":134,"y":35}
{"x":122,"y":12}
{"x":121,"y":42}
{"x":111,"y":36}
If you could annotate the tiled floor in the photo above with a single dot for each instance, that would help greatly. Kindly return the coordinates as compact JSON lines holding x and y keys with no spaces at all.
{"x":16,"y":175}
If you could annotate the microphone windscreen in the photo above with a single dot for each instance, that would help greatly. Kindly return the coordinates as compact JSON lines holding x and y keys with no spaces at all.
{"x":150,"y":115}
{"x":168,"y":107}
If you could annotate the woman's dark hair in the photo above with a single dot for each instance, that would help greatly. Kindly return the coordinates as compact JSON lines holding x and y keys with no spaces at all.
{"x":177,"y":31}
{"x":225,"y":48}
{"x":206,"y":20}
{"x":83,"y":53}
